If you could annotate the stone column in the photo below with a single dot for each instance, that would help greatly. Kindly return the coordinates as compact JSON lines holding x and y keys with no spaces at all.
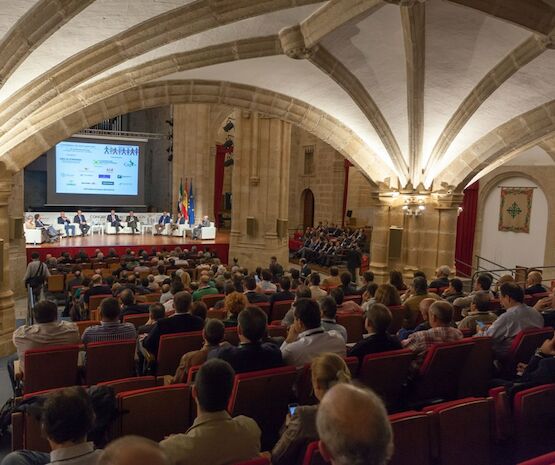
{"x":260,"y":189}
{"x":379,"y":256}
{"x":18,"y":255}
{"x":7,"y":305}
{"x":193,"y":156}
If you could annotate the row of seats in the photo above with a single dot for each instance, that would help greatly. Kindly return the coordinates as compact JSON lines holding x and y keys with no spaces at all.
{"x":451,"y":433}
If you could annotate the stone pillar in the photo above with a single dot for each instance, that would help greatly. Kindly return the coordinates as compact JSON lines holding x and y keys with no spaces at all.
{"x":260,"y":187}
{"x":18,"y":255}
{"x":7,"y":310}
{"x":379,"y":257}
{"x":194,"y":156}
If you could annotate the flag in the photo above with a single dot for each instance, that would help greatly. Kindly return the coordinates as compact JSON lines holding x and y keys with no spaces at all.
{"x":191,"y":205}
{"x":180,"y":200}
{"x":184,"y":202}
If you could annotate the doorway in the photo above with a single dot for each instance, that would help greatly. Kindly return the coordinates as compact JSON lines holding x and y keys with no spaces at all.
{"x":307,"y":201}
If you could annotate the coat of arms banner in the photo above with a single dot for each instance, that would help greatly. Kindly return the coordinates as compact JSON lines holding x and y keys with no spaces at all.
{"x":516,"y":208}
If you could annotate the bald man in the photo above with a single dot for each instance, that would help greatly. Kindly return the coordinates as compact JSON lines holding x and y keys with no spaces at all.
{"x":353,"y":427}
{"x":133,"y":450}
{"x":423,"y":307}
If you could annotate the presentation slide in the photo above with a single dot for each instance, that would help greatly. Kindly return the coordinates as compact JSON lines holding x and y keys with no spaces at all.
{"x":97,"y":168}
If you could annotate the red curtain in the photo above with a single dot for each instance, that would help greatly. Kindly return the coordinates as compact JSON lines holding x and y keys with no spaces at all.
{"x":221,"y":152}
{"x":347,"y":164}
{"x":466,"y":229}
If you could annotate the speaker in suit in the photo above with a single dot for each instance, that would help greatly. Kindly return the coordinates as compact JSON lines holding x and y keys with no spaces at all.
{"x":82,"y":222}
{"x":114,"y":220}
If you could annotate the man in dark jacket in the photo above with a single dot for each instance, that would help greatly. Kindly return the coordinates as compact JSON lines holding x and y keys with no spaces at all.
{"x":251,"y":354}
{"x":182,"y":321}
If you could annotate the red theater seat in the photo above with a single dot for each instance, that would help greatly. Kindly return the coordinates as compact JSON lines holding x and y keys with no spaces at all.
{"x":130,"y":384}
{"x":477,"y":370}
{"x":439,"y":374}
{"x":264,"y":396}
{"x":264,"y":306}
{"x":211,"y":299}
{"x":172,"y":347}
{"x":154,"y":412}
{"x":386,"y":373}
{"x":51,"y":367}
{"x":398,"y":315}
{"x":411,"y":436}
{"x":534,"y":420}
{"x":136,"y":320}
{"x":110,"y":360}
{"x":523,"y":347}
{"x":354,"y":324}
{"x":547,"y":459}
{"x":312,"y":455}
{"x":279,"y":309}
{"x":256,"y":461}
{"x":462,"y":431}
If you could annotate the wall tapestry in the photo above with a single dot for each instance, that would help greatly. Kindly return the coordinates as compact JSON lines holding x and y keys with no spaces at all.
{"x":516,"y":208}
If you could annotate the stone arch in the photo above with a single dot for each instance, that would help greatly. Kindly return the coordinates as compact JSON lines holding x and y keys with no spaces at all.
{"x":491,"y":184}
{"x":500,"y":144}
{"x":160,"y":93}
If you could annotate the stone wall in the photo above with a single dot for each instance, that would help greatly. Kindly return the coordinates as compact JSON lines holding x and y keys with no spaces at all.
{"x":18,"y":258}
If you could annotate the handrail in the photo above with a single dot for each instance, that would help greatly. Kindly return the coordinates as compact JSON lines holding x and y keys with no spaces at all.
{"x":512,"y":271}
{"x":467,"y":265}
{"x":30,"y":305}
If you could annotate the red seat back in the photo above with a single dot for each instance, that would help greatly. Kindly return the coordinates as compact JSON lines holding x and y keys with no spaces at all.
{"x":523,"y":347}
{"x":386,"y":373}
{"x":82,"y":325}
{"x":357,"y":298}
{"x":155,"y":412}
{"x":232,"y":336}
{"x":211,"y":299}
{"x":110,"y":360}
{"x":398,"y":315}
{"x":279,"y":309}
{"x":217,"y":313}
{"x":312,"y":455}
{"x":277,"y":331}
{"x":136,"y":320}
{"x":534,"y":420}
{"x":251,"y":392}
{"x":51,"y":367}
{"x":411,"y":436}
{"x":354,"y":324}
{"x":440,"y":372}
{"x":256,"y":461}
{"x":130,"y":384}
{"x":264,"y":306}
{"x":462,"y":431}
{"x":477,"y":371}
{"x":172,"y":347}
{"x":94,"y":300}
{"x":547,"y":459}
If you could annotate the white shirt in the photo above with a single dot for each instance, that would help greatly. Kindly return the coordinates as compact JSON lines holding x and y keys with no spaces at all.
{"x":317,"y":292}
{"x":509,"y":324}
{"x":311,"y":343}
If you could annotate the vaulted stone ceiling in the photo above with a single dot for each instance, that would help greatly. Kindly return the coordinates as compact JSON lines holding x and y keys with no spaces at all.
{"x":417,"y":93}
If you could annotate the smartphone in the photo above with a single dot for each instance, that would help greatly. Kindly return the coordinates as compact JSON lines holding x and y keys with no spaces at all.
{"x":292,"y":408}
{"x":480,"y":324}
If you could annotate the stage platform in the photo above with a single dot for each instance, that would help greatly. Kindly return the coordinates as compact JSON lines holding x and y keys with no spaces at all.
{"x":121,"y":242}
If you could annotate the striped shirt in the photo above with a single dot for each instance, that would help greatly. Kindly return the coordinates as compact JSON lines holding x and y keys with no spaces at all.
{"x":109,"y":331}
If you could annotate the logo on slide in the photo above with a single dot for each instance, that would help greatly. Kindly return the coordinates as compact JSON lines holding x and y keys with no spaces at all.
{"x":104,"y":176}
{"x":129,"y":164}
{"x":121,"y":176}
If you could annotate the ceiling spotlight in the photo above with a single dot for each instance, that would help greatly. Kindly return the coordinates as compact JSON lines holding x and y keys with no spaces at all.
{"x":228,"y":144}
{"x":229,"y":162}
{"x":229,"y":126}
{"x":170,"y":122}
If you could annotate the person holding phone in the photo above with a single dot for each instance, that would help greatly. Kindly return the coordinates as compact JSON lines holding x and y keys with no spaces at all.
{"x":300,"y":423}
{"x":479,"y":316}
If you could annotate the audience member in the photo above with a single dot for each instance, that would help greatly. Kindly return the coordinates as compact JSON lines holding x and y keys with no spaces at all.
{"x":251,"y":354}
{"x":180,"y":322}
{"x":234,"y":304}
{"x":266,"y":284}
{"x":315,"y":289}
{"x":541,"y":367}
{"x":252,"y":295}
{"x":517,"y":317}
{"x":442,"y":277}
{"x":302,"y":292}
{"x":295,"y":278}
{"x":353,"y":427}
{"x":388,"y":295}
{"x":347,"y":285}
{"x":479,"y":314}
{"x":36,"y":274}
{"x":275,"y":269}
{"x":129,"y":305}
{"x":453,"y":291}
{"x":534,"y":283}
{"x":300,"y":427}
{"x":206,"y":287}
{"x":440,"y":316}
{"x":166,"y":294}
{"x":212,"y":335}
{"x":424,"y":309}
{"x":97,"y":288}
{"x":284,"y":293}
{"x":306,"y":337}
{"x":344,"y":306}
{"x":417,"y":292}
{"x":67,"y":417}
{"x":305,"y":269}
{"x":377,"y":321}
{"x":199,"y":309}
{"x":156,"y":312}
{"x":328,"y":308}
{"x":133,"y":450}
{"x":396,"y":280}
{"x":482,"y":285}
{"x":367,"y":279}
{"x":333,"y":279}
{"x":215,"y":437}
{"x":110,"y":327}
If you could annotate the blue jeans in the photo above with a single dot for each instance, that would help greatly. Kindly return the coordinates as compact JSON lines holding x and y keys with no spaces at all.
{"x":68,"y":228}
{"x":26,"y":457}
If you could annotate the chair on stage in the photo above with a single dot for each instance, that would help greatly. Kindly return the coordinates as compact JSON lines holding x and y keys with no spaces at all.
{"x":109,"y":229}
{"x":208,"y":232}
{"x":33,"y":236}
